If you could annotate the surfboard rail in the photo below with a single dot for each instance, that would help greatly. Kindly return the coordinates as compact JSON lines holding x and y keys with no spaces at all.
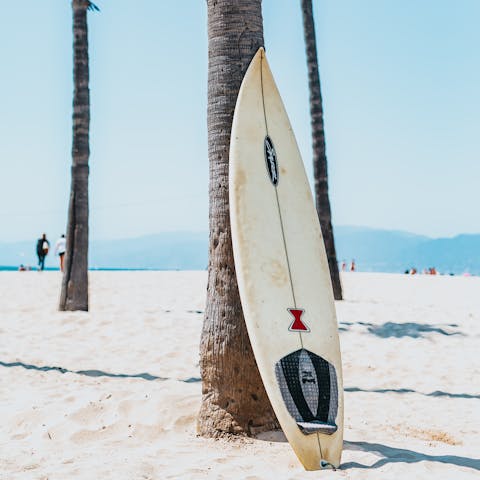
{"x":283,"y":274}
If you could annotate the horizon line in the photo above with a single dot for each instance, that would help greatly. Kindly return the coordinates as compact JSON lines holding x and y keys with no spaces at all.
{"x":206,"y":232}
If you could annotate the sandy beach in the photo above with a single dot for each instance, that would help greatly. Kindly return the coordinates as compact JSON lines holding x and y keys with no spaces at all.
{"x":113,"y":393}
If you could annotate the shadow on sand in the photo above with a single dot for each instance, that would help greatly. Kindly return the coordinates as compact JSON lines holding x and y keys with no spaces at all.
{"x":94,"y":373}
{"x":399,"y":330}
{"x":388,"y":454}
{"x":395,"y":455}
{"x":437,"y":393}
{"x":413,"y":330}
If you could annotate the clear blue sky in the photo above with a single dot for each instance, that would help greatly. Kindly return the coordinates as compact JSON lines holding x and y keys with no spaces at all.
{"x":401,"y":94}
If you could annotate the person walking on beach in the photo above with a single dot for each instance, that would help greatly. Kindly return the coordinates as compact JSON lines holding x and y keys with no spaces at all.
{"x":60,"y":248}
{"x":43,"y":246}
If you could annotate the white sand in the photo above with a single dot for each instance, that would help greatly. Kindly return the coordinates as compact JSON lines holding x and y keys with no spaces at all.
{"x":412,"y":400}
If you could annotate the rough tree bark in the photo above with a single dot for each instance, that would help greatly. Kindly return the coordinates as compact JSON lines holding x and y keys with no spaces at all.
{"x":74,"y":293}
{"x":234,"y":400}
{"x":320,"y":173}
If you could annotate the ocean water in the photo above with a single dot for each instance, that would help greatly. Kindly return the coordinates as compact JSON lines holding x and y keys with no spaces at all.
{"x":7,"y":268}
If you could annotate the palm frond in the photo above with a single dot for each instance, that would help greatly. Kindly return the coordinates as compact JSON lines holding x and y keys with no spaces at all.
{"x":92,"y":7}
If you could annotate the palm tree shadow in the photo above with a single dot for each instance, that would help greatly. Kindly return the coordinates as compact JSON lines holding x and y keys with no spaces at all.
{"x":400,"y":330}
{"x":436,"y":393}
{"x":409,"y":329}
{"x":396,"y":455}
{"x":94,"y":373}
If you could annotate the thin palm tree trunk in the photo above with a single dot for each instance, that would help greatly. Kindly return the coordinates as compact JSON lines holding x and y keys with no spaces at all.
{"x":234,"y":399}
{"x":319,"y":154}
{"x":74,"y":293}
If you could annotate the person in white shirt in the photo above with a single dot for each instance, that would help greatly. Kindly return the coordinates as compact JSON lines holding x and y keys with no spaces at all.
{"x":60,"y":248}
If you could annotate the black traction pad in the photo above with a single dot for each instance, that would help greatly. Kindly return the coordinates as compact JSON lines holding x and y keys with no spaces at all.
{"x":309,"y":388}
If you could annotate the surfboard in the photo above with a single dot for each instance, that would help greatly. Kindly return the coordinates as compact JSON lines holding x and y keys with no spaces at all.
{"x":282,"y":273}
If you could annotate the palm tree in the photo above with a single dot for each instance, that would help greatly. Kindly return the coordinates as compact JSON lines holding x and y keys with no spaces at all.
{"x":74,"y":294}
{"x":234,"y":399}
{"x":319,"y":156}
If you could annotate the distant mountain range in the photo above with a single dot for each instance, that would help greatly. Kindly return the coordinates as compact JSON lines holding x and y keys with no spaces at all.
{"x":373,"y":250}
{"x":396,"y":251}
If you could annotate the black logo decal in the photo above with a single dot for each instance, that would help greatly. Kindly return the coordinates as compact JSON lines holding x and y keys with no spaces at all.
{"x":271,"y":160}
{"x":307,"y":376}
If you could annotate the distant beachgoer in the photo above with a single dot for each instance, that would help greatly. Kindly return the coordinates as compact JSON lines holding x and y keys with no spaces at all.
{"x":22,"y":268}
{"x":43,"y":245}
{"x":344,"y":266}
{"x":60,"y":248}
{"x":352,"y":266}
{"x":413,"y":271}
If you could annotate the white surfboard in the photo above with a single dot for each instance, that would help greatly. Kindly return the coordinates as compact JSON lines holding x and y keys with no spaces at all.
{"x":282,"y":273}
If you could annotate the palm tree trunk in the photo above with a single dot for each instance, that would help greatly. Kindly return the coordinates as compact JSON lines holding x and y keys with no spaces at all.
{"x":234,"y":399}
{"x":319,"y":156}
{"x":74,"y":294}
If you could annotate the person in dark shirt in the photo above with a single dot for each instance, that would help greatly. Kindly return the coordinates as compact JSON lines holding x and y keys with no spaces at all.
{"x":43,"y":246}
